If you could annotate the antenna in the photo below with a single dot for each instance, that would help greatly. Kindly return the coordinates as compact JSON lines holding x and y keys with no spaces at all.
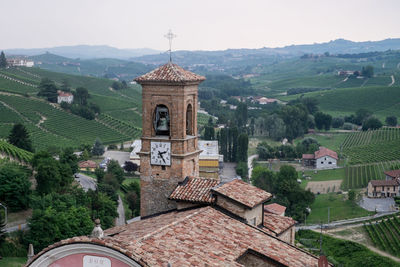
{"x":170,"y":36}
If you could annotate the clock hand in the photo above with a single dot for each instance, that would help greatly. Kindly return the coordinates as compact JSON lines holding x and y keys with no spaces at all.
{"x":160,"y":154}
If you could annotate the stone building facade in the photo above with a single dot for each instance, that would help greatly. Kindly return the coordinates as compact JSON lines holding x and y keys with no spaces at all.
{"x":169,"y":106}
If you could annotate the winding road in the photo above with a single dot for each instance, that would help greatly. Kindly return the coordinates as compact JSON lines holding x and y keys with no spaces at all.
{"x":86,"y":182}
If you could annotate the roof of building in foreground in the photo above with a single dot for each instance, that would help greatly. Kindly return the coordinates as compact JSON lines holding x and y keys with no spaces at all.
{"x":197,"y":237}
{"x":197,"y":190}
{"x":169,"y":73}
{"x":242,"y":192}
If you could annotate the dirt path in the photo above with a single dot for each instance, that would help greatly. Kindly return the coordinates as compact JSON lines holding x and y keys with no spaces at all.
{"x":43,"y":119}
{"x":366,"y":80}
{"x":393,"y":81}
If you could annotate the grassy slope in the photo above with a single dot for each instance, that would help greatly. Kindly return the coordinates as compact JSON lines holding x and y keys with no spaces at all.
{"x":326,"y":175}
{"x":12,"y":262}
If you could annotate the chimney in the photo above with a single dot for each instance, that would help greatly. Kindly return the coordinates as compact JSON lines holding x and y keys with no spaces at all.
{"x":97,"y":231}
{"x":323,"y":261}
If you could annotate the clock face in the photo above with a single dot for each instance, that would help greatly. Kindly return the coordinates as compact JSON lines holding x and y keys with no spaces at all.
{"x":160,"y":153}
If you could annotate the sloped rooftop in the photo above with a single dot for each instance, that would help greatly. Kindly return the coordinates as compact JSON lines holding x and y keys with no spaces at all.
{"x":169,"y":73}
{"x":276,"y":223}
{"x":384,"y":182}
{"x":242,"y":192}
{"x":194,"y":190}
{"x":393,"y":173}
{"x":323,"y":151}
{"x":275,"y":208}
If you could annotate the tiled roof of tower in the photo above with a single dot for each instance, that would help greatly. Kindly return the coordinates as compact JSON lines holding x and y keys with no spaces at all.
{"x":276,"y":223}
{"x":195,"y":190}
{"x":242,"y":192}
{"x":170,"y":73}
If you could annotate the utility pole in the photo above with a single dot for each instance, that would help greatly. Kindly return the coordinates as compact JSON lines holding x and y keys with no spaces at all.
{"x":329,"y":213}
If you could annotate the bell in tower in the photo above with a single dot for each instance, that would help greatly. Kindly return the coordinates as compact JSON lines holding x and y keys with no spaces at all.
{"x":161,"y":120}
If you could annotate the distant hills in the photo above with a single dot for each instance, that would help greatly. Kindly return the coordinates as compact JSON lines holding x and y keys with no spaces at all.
{"x":85,"y":51}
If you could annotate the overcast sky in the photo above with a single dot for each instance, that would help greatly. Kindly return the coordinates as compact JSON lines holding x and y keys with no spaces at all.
{"x":199,"y":25}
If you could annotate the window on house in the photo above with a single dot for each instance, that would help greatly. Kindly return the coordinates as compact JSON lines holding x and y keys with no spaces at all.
{"x":329,"y":162}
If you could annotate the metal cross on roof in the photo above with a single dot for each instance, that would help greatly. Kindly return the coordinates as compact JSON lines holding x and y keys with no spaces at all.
{"x":170,"y":36}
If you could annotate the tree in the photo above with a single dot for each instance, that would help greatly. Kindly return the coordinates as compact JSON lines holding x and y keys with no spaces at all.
{"x":295,"y":119}
{"x":81,"y":95}
{"x":391,"y":120}
{"x":103,"y":207}
{"x":56,"y":217}
{"x":361,"y":115}
{"x":243,"y":144}
{"x":129,"y":166}
{"x":209,"y":133}
{"x":115,"y":169}
{"x":322,"y":121}
{"x":311,"y":104}
{"x":241,"y":114}
{"x":65,"y":86}
{"x":371,"y":123}
{"x":15,"y":186}
{"x":68,"y":157}
{"x":19,"y":137}
{"x":3,"y":60}
{"x":367,"y":71}
{"x":48,"y":89}
{"x":132,"y":199}
{"x":337,"y":122}
{"x":352,"y":195}
{"x":263,"y":178}
{"x":98,"y":148}
{"x":242,"y":170}
{"x":48,"y":177}
{"x":99,"y":174}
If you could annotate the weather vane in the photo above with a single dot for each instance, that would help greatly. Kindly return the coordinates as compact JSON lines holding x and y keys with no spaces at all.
{"x":170,"y":36}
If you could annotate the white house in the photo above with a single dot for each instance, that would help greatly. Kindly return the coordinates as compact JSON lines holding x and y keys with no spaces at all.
{"x":323,"y":158}
{"x":20,"y":62}
{"x":65,"y":97}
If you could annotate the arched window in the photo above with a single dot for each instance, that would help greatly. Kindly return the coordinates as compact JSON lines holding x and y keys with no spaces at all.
{"x":161,"y":120}
{"x":189,"y":120}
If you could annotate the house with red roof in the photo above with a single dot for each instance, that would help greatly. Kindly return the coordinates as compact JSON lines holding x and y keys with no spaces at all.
{"x":383,"y":188}
{"x":323,"y":158}
{"x":64,"y":97}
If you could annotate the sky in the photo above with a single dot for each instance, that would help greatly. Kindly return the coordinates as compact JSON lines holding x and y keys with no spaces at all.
{"x":199,"y":25}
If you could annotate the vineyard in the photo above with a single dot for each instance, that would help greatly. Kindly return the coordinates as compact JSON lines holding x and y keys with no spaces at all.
{"x":372,"y":146}
{"x":49,"y":126}
{"x":8,"y":150}
{"x":385,"y":234}
{"x":359,"y":176}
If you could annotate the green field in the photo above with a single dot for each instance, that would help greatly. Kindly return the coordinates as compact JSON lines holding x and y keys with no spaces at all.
{"x":329,"y":140}
{"x":340,"y":209}
{"x":372,"y":146}
{"x":12,"y":262}
{"x":326,"y":175}
{"x":385,"y":235}
{"x":14,"y":152}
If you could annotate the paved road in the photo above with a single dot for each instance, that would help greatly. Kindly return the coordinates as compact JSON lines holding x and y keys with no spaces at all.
{"x":16,"y":228}
{"x":343,"y":222}
{"x":378,"y":204}
{"x":120,"y":156}
{"x":86,"y":182}
{"x":121,"y":213}
{"x":250,"y":163}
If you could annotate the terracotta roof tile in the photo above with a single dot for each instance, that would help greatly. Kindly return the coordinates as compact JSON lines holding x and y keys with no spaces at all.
{"x":243,"y":193}
{"x":197,"y":237}
{"x":195,"y":190}
{"x":393,"y":173}
{"x":276,"y":223}
{"x":275,"y":208}
{"x":384,"y":182}
{"x":170,"y":73}
{"x":308,"y":156}
{"x":87,"y":164}
{"x":323,"y":151}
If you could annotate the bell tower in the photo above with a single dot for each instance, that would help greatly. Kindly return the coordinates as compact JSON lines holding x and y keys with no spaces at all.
{"x":169,"y":139}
